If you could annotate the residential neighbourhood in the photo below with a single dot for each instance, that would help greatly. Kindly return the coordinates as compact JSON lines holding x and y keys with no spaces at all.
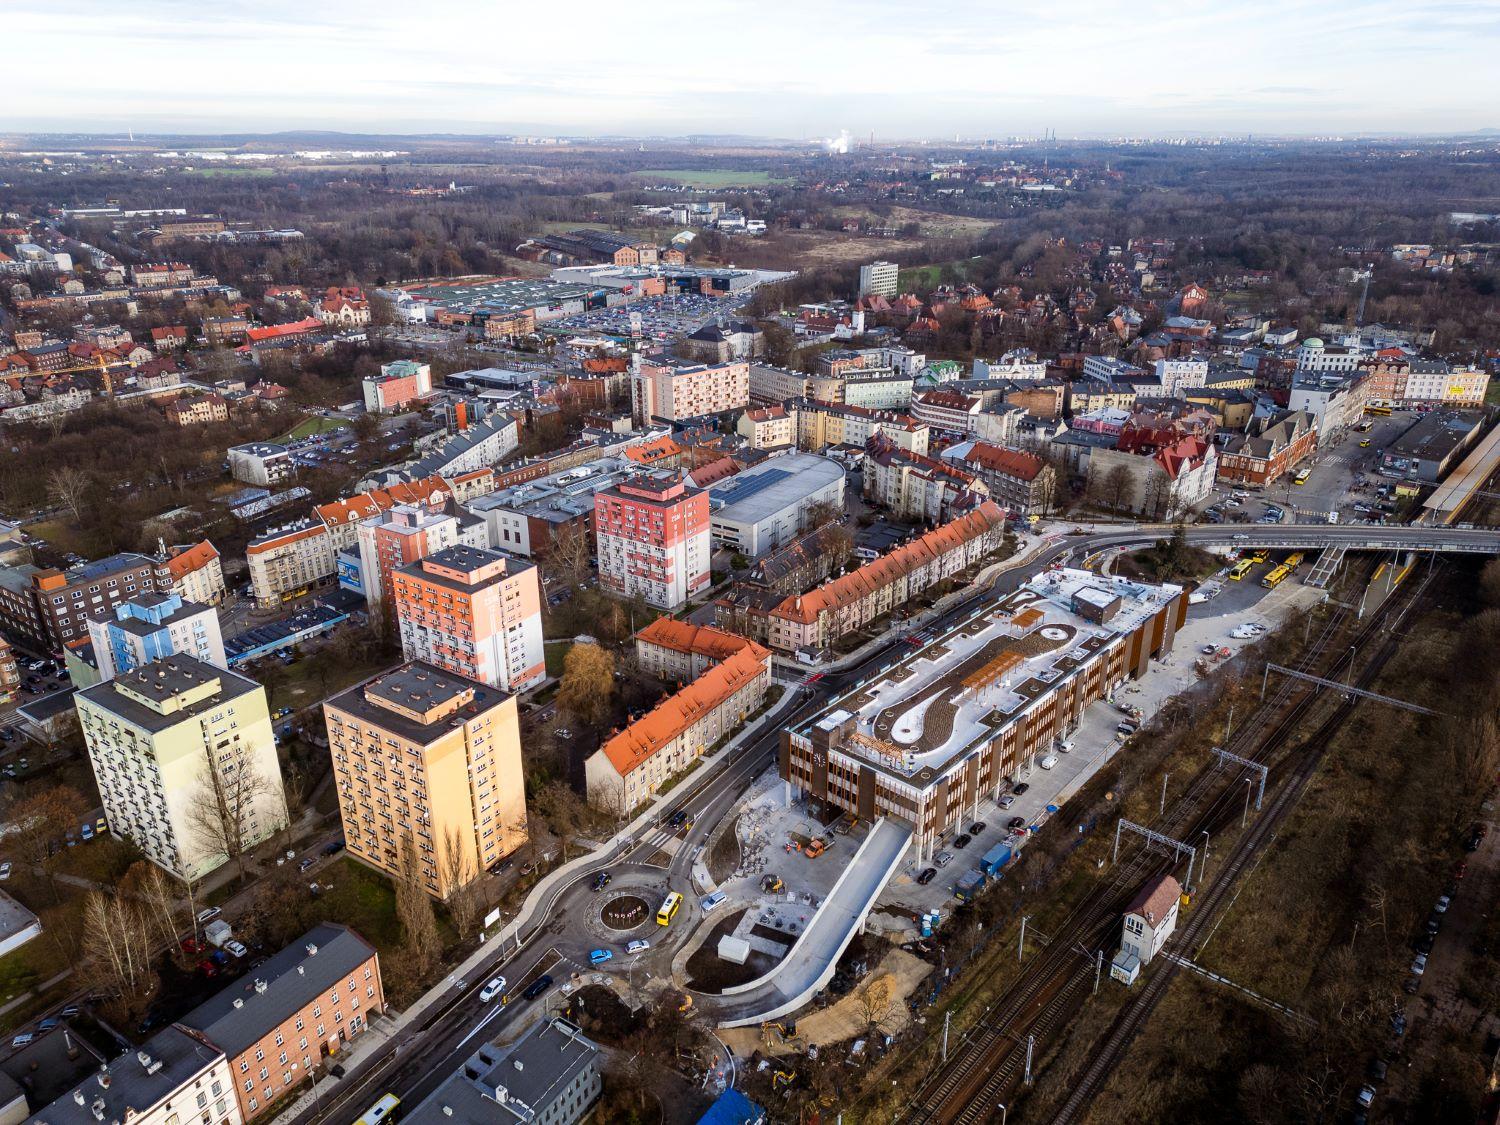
{"x":702,"y":624}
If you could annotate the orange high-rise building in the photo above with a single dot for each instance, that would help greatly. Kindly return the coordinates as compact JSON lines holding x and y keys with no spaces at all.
{"x":475,"y":612}
{"x":427,"y":761}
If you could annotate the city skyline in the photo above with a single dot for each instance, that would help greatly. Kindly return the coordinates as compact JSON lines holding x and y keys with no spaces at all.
{"x":766,"y":70}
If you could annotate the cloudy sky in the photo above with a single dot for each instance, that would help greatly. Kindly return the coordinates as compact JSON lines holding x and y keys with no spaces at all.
{"x":784,"y":68}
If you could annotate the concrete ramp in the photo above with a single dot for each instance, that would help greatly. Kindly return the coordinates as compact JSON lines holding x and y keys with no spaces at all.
{"x":809,"y":964}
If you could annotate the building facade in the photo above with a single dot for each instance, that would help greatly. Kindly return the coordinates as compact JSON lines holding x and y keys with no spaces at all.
{"x":196,"y":572}
{"x":1274,"y":447}
{"x":292,"y":1014}
{"x":52,"y":608}
{"x":474,"y":612}
{"x":178,"y":743}
{"x":427,"y":766}
{"x":765,"y":507}
{"x":879,"y":279}
{"x":1018,"y":481}
{"x":653,"y":539}
{"x":400,"y":382}
{"x":152,"y":626}
{"x":666,"y":392}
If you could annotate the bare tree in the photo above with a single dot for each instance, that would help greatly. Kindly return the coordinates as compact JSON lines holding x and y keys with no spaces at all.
{"x":460,"y":876}
{"x":156,"y":898}
{"x":66,"y":486}
{"x":231,"y":794}
{"x":42,"y":820}
{"x":414,"y":909}
{"x":567,"y":554}
{"x":117,"y":950}
{"x":563,"y":811}
{"x":875,"y":1000}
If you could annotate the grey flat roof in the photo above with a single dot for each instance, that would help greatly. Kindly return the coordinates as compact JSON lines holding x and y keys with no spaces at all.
{"x":418,"y":686}
{"x":13,"y":916}
{"x":748,"y":498}
{"x":162,"y":679}
{"x":533,"y":1072}
{"x":1437,"y":434}
{"x":241,"y":1015}
{"x":137,"y":1085}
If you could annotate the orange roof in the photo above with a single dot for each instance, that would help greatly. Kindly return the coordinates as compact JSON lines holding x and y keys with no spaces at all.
{"x":194,"y":558}
{"x":282,"y":540}
{"x":276,"y":331}
{"x":362,"y":506}
{"x":891,"y":566}
{"x":1011,"y":462}
{"x":711,"y":472}
{"x":1027,"y":618}
{"x":683,"y":636}
{"x":636,"y":744}
{"x":654,"y":451}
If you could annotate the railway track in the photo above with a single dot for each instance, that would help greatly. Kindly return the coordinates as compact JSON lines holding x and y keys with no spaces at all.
{"x":1219,"y":893}
{"x":991,"y":1055}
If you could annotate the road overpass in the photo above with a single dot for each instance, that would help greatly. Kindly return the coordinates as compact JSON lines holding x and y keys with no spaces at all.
{"x":1305,"y":536}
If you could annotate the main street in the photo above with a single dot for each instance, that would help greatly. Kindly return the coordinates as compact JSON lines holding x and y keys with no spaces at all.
{"x":554,"y":936}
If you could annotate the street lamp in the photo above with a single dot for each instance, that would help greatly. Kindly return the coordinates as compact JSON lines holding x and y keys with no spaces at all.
{"x":1004,"y":1112}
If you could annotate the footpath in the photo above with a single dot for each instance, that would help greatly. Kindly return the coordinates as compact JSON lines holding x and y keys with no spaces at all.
{"x":532,"y":915}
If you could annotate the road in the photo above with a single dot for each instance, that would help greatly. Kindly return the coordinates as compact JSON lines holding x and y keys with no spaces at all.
{"x":556,"y":932}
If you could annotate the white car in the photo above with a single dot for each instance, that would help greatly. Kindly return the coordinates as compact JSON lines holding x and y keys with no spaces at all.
{"x":1065,"y":746}
{"x":493,"y":989}
{"x":208,"y":915}
{"x":4,"y":871}
{"x":640,"y":945}
{"x":235,"y":949}
{"x":1048,"y":761}
{"x":1419,"y":966}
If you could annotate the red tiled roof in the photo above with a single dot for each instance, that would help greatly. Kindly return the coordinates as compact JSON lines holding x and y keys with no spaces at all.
{"x":194,"y":558}
{"x":881,"y":572}
{"x":705,"y":640}
{"x":637,"y":743}
{"x":280,"y":331}
{"x":1012,"y":462}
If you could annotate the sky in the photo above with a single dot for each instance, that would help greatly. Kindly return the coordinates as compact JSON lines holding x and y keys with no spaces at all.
{"x":773,"y":68}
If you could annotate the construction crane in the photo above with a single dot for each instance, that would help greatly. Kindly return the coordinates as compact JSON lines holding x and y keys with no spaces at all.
{"x":99,"y":368}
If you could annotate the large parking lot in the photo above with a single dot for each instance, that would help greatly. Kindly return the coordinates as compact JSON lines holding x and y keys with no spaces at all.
{"x":662,"y":318}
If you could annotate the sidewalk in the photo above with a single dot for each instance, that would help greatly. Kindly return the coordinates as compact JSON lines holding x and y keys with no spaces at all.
{"x":534,"y":911}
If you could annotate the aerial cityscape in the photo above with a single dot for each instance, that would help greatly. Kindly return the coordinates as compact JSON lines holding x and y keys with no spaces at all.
{"x":685,"y":583}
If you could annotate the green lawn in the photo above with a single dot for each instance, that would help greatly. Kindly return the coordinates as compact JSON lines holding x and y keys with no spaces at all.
{"x":713,"y":178}
{"x":309,"y":426}
{"x":923,"y":279}
{"x":556,"y":652}
{"x":363,"y":900}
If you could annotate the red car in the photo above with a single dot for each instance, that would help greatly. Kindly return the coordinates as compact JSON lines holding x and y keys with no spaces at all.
{"x":208,"y":968}
{"x":192,"y":945}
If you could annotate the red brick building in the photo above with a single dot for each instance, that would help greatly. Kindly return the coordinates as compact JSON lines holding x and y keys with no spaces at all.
{"x":1273,"y":448}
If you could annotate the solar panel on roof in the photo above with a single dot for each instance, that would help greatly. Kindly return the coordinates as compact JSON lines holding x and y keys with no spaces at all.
{"x":733,"y":493}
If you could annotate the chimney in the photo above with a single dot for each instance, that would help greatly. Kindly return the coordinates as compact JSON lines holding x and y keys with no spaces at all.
{"x":312,"y":950}
{"x":260,"y":986}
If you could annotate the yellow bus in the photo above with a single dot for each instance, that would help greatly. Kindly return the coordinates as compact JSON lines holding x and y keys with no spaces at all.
{"x":669,"y":908}
{"x":1301,"y":477}
{"x":1261,"y":555}
{"x":382,"y":1112}
{"x":1240,"y":569}
{"x":1380,"y":411}
{"x":1276,"y":577}
{"x":1293,"y":561}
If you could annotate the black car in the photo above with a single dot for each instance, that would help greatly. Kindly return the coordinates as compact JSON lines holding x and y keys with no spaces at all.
{"x":1434,"y":923}
{"x":1016,"y":822}
{"x":537,"y":987}
{"x":1426,"y":942}
{"x":601,"y":881}
{"x":1021,"y":788}
{"x":1375,"y":1072}
{"x":962,"y":841}
{"x":334,"y":848}
{"x":977,"y":827}
{"x":927,"y":876}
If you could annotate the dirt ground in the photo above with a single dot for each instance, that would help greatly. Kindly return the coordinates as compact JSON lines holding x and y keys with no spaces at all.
{"x":844,"y":1019}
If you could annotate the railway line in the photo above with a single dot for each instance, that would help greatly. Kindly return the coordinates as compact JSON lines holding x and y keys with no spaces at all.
{"x":991,"y":1057}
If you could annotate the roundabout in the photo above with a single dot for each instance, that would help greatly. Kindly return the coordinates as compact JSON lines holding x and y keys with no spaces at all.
{"x":625,"y":912}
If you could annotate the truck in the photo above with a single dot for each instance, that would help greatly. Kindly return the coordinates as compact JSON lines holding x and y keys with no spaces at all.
{"x":995,"y":859}
{"x":969,"y":885}
{"x":217,"y":933}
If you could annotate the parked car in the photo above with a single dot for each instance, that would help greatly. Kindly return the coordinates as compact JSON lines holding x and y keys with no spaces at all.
{"x":639,"y":945}
{"x":4,"y":871}
{"x":943,"y":859}
{"x":537,"y":987}
{"x":1016,"y":822}
{"x":1019,"y":789}
{"x":236,"y":949}
{"x":977,"y":827}
{"x":1441,"y":906}
{"x":1048,"y":761}
{"x":712,"y":902}
{"x":1419,"y":966}
{"x":1366,"y":1095}
{"x":1006,"y":801}
{"x":208,"y":915}
{"x":305,"y":864}
{"x":491,"y":990}
{"x":963,"y":840}
{"x":47,"y":1024}
{"x":927,"y":876}
{"x":21,"y":1040}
